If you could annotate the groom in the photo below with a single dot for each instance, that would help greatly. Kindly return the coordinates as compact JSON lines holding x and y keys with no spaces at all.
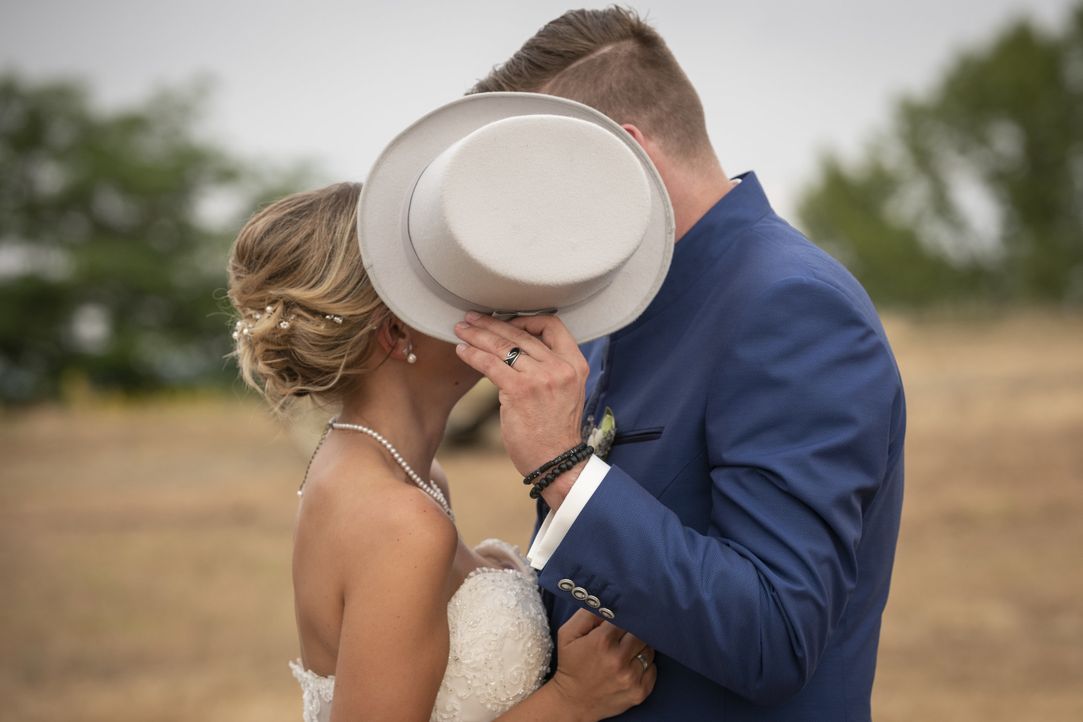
{"x":745,"y":519}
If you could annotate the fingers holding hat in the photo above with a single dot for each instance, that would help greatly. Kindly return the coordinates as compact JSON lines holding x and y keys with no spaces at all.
{"x":484,"y":362}
{"x":551,"y":330}
{"x":501,"y":339}
{"x":540,"y":336}
{"x":555,"y":336}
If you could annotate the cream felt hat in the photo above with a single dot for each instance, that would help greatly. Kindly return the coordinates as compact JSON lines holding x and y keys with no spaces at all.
{"x":514,"y":204}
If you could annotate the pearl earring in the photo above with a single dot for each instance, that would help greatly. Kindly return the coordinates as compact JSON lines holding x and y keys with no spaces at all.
{"x":411,"y":357}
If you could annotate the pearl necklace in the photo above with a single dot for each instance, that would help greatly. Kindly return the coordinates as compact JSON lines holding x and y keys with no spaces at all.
{"x":429,"y":487}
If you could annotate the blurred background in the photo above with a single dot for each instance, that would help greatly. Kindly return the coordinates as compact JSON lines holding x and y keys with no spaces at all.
{"x":146,"y":499}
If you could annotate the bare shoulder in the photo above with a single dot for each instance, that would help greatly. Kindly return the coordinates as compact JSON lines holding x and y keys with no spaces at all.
{"x":409,"y":517}
{"x":411,"y":545}
{"x":366,"y":519}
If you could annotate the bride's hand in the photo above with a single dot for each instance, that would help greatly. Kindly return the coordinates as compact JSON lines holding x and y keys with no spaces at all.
{"x":601,"y":669}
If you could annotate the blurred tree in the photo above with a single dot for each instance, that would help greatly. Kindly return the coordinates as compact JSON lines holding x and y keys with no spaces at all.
{"x":978,"y":189}
{"x":109,"y":266}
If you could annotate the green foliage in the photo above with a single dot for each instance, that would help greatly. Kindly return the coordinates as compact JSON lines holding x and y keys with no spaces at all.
{"x":108,"y":270}
{"x":977,"y":191}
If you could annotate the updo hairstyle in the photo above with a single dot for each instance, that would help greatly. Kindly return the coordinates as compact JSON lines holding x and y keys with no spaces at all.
{"x":306,"y":313}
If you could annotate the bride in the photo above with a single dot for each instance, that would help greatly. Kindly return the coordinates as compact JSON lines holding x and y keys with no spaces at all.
{"x":397,"y":617}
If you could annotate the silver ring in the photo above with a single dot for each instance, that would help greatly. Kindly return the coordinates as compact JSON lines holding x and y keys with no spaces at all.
{"x":512,"y":355}
{"x":643,"y":660}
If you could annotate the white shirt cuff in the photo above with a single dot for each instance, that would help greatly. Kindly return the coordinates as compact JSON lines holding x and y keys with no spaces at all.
{"x":557,"y":523}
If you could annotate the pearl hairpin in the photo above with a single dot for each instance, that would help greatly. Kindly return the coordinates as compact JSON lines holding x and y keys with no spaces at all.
{"x":245,"y":328}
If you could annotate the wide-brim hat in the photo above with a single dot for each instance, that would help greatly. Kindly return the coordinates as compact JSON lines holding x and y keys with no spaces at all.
{"x":515,"y":204}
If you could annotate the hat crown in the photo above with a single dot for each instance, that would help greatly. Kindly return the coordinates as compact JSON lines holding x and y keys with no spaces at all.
{"x":529,"y":212}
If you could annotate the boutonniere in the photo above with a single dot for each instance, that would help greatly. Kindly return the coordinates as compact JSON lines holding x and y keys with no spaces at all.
{"x":601,"y":436}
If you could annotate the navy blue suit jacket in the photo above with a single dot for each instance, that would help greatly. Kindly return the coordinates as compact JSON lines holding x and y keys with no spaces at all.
{"x":747,"y":527}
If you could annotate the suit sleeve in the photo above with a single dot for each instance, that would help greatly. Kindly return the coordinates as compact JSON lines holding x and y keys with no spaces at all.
{"x":798,"y":420}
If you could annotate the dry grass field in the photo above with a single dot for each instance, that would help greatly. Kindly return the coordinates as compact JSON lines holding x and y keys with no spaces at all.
{"x":144,"y":549}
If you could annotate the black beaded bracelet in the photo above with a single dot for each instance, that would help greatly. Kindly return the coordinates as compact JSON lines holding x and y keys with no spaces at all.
{"x":578,"y":454}
{"x":554,"y":462}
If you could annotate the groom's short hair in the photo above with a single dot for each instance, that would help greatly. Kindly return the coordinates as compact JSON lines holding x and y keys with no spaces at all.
{"x":615,"y":62}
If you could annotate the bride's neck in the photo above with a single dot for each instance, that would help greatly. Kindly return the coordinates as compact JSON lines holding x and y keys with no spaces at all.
{"x":404,"y":414}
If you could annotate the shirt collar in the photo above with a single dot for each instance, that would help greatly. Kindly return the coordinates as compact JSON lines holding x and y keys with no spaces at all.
{"x":706,"y":241}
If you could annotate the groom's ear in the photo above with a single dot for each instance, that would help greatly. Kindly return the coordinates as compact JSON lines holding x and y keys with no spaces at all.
{"x":653,"y":151}
{"x":636,"y":133}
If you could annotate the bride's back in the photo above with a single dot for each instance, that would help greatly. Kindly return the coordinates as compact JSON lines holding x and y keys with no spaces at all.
{"x":344,"y":536}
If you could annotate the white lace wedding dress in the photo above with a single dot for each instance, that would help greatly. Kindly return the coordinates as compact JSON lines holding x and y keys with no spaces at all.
{"x":499,"y":651}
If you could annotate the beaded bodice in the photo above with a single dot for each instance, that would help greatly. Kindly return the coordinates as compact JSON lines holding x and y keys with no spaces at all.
{"x":499,"y":645}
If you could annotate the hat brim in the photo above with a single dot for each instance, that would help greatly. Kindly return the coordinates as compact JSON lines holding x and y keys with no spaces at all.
{"x":390,"y":261}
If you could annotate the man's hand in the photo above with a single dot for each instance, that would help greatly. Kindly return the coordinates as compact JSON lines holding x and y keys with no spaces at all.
{"x":541,"y":396}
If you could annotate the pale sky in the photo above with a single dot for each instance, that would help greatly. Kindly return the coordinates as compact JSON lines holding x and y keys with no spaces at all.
{"x":333,"y":82}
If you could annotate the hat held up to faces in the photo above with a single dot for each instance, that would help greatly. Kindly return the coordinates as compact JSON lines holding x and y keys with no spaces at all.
{"x":515,"y":204}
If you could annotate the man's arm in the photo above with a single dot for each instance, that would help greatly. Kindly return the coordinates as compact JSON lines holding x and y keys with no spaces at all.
{"x":798,"y":424}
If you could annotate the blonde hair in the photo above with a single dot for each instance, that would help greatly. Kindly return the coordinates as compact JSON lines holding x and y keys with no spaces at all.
{"x":307,"y":314}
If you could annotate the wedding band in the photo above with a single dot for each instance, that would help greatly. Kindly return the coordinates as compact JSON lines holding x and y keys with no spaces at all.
{"x":512,"y":355}
{"x":643,"y":660}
